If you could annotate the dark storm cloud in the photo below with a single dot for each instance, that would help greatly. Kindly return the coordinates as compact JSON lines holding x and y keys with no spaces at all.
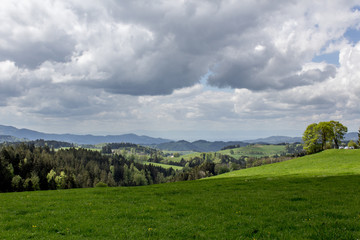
{"x":32,"y":54}
{"x":252,"y":77}
{"x":33,"y":32}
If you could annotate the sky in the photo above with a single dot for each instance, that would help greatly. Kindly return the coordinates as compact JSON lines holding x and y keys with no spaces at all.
{"x":197,"y":69}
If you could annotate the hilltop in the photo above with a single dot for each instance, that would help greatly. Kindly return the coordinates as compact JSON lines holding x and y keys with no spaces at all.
{"x":328,"y":163}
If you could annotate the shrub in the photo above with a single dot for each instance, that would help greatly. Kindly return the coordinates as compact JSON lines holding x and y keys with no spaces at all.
{"x":352,"y":144}
{"x":101,"y":184}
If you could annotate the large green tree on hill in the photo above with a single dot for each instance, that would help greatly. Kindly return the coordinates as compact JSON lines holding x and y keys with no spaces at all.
{"x":311,"y":139}
{"x":326,"y":133}
{"x":339,"y":131}
{"x":318,"y":135}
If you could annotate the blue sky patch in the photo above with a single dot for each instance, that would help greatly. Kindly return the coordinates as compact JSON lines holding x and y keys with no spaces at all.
{"x":330,"y":58}
{"x":355,"y":8}
{"x":353,"y":35}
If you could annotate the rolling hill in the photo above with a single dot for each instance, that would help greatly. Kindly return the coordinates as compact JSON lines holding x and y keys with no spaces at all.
{"x":10,"y":132}
{"x":197,"y":146}
{"x":8,"y":138}
{"x":328,"y":163}
{"x":80,"y":139}
{"x":275,"y":140}
{"x":314,"y":197}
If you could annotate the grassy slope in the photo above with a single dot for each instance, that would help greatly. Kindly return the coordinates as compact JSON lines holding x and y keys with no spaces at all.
{"x":330,"y":162}
{"x":287,"y":207}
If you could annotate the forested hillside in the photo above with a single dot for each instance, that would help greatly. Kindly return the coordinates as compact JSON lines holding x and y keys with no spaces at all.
{"x":38,"y":165}
{"x":26,"y":167}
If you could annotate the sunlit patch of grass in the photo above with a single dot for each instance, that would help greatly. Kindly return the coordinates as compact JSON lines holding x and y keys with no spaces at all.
{"x":327,"y":163}
{"x":166,"y":166}
{"x":256,"y":150}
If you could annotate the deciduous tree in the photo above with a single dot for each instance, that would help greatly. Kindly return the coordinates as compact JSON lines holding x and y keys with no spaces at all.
{"x":311,"y":139}
{"x":318,"y":136}
{"x":339,"y":131}
{"x":326,"y":133}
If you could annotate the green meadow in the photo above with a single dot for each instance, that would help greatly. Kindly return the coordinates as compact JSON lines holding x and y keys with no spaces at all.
{"x":187,"y":156}
{"x":328,"y":163}
{"x":257,"y":150}
{"x":164,"y":165}
{"x":314,"y":197}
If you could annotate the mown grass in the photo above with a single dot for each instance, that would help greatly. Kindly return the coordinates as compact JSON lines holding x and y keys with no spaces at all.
{"x":295,"y":206}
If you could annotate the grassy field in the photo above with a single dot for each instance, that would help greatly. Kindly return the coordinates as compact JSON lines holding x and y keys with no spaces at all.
{"x":186,"y":156}
{"x":180,"y":152}
{"x":256,"y":150}
{"x":164,"y":165}
{"x":316,"y":197}
{"x":328,"y":163}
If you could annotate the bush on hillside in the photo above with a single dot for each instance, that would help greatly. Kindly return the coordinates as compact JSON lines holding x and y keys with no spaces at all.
{"x":101,"y":184}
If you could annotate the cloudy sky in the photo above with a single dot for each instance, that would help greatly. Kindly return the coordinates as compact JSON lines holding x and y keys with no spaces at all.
{"x":196,"y":69}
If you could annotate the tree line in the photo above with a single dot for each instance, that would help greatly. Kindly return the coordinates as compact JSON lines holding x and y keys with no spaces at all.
{"x":24,"y":167}
{"x":128,"y":148}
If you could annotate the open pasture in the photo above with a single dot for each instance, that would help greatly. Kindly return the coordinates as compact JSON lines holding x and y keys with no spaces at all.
{"x":307,"y":204}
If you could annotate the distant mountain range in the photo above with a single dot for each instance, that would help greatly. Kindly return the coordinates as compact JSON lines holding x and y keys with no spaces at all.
{"x":206,"y":146}
{"x":197,"y":146}
{"x":275,"y":140}
{"x":283,"y":139}
{"x":12,"y":134}
{"x":351,"y":136}
{"x":79,"y":139}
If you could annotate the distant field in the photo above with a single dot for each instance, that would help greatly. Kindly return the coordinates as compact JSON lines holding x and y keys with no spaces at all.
{"x":255,"y":151}
{"x":180,"y":152}
{"x":185,"y":157}
{"x":315,"y":197}
{"x":164,"y":165}
{"x":249,"y":151}
{"x":91,"y":149}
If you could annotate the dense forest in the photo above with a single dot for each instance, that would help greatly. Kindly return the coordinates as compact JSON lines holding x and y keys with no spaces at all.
{"x":26,"y":167}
